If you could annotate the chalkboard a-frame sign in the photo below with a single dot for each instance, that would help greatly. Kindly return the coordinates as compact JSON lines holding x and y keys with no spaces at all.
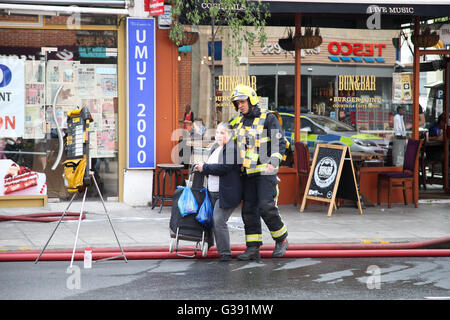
{"x":332,"y":176}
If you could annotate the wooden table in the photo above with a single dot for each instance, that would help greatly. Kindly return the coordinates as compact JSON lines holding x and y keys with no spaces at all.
{"x":362,"y":159}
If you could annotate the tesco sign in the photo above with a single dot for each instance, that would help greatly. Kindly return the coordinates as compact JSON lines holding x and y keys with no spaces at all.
{"x":357,"y":49}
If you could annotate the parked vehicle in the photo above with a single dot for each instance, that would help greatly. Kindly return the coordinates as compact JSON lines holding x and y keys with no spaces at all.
{"x":317,"y":129}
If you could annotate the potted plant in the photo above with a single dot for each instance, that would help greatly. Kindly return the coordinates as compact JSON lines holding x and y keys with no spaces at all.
{"x":189,"y":38}
{"x":309,"y":40}
{"x":287,"y":43}
{"x":425,"y":39}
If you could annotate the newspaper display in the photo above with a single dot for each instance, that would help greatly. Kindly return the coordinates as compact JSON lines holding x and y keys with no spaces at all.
{"x":34,"y":100}
{"x":104,"y":112}
{"x":83,"y":85}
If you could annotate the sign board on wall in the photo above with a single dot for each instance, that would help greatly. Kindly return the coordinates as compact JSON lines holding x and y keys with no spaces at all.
{"x":12,"y":97}
{"x":154,"y":7}
{"x":141,"y":93}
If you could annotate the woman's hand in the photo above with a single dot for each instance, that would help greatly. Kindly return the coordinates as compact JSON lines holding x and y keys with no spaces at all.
{"x":199,"y":167}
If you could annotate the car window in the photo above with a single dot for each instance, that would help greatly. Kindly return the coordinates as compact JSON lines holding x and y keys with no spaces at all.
{"x":314,"y":128}
{"x":305,"y":123}
{"x":331,"y":124}
{"x":288,"y":123}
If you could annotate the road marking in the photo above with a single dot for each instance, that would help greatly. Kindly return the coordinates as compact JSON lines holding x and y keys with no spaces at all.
{"x":372,"y":241}
{"x":25,"y":248}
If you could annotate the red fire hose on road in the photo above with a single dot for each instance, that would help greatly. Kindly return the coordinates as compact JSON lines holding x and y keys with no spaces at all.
{"x":63,"y":256}
{"x":430,"y":244}
{"x":43,"y":217}
{"x":350,"y":250}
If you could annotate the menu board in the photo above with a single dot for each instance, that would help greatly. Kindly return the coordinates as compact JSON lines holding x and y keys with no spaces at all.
{"x":331,"y":176}
{"x":93,"y":86}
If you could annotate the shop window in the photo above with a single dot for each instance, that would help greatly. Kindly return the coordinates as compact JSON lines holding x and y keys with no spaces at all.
{"x":82,"y":67}
{"x":217,"y":50}
{"x":266,"y":90}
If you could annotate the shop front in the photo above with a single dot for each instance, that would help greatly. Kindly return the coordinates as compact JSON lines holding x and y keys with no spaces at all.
{"x":344,"y":91}
{"x":52,"y":64}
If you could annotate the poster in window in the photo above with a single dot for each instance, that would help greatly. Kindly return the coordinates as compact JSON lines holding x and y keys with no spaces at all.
{"x":34,"y":100}
{"x":402,"y":88}
{"x":20,"y":181}
{"x":34,"y":126}
{"x":62,"y":73}
{"x":86,"y":81}
{"x":12,"y":97}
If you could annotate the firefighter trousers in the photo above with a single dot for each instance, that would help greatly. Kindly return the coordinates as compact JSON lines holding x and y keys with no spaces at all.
{"x":260,"y":201}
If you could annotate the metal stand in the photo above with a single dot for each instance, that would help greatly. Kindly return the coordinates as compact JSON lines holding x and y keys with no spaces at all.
{"x":91,"y":174}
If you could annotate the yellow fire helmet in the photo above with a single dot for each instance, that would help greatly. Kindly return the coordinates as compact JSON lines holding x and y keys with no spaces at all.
{"x":242,"y":92}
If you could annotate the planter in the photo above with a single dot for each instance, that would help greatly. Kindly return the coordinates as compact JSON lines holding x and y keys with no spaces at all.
{"x":287,"y":44}
{"x":189,"y":38}
{"x":425,"y":41}
{"x":307,"y":42}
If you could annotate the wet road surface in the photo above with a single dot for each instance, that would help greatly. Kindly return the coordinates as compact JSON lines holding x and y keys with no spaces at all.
{"x":269,"y":279}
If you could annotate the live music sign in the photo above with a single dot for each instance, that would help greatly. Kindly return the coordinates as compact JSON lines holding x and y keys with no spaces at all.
{"x":154,"y":7}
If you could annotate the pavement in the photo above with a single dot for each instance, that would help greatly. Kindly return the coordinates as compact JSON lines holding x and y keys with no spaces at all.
{"x":142,"y":226}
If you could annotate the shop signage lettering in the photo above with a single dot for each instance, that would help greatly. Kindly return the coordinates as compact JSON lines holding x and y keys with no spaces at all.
{"x":390,"y":10}
{"x":234,"y":7}
{"x":141,"y":93}
{"x":357,"y":49}
{"x":227,"y":83}
{"x":363,"y":83}
{"x":154,"y":7}
{"x":274,"y":48}
{"x":12,"y":97}
{"x":357,"y":102}
{"x":271,"y":49}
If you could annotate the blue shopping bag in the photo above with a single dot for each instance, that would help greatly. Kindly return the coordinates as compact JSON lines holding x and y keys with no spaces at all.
{"x":205,"y":214}
{"x":187,"y":203}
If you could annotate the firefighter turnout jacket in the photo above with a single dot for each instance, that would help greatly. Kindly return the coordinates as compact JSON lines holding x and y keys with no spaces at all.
{"x":260,"y":140}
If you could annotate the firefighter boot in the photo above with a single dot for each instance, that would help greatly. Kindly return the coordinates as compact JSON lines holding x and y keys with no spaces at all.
{"x":251,"y":253}
{"x":280,"y":248}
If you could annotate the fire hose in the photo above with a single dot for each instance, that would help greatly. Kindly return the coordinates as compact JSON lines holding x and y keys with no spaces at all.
{"x":350,"y":250}
{"x":43,"y":217}
{"x":63,"y":256}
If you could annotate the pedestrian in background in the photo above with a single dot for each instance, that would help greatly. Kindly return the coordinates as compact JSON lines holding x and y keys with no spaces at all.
{"x":399,"y":140}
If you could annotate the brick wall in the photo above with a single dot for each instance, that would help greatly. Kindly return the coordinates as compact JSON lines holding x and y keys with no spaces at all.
{"x":184,"y":83}
{"x":36,"y":38}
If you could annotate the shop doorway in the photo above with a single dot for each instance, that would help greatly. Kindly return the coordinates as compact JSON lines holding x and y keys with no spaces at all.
{"x":434,"y":174}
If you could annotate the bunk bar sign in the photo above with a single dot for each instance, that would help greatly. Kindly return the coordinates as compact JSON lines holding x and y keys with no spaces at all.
{"x":141,"y":93}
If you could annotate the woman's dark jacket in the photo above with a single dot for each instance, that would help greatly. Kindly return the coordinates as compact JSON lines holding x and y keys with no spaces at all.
{"x":228,"y":169}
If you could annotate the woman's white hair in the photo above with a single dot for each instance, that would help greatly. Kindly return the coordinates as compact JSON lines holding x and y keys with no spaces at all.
{"x":226,"y":126}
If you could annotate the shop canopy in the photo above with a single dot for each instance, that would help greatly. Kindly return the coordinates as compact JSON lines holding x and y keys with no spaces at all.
{"x":354,"y":13}
{"x":53,"y":7}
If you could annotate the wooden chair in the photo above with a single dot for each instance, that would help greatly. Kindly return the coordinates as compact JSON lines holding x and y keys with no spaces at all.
{"x":303,"y":167}
{"x":401,"y":179}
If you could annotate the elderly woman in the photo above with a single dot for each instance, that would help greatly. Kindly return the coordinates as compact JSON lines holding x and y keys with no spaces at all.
{"x":224,"y":185}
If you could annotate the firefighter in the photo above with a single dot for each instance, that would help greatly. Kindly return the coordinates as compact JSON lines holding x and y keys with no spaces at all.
{"x":261,"y":145}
